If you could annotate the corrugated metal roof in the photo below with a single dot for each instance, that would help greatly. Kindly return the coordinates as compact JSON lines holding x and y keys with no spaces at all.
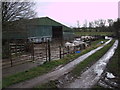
{"x":43,"y":21}
{"x":21,"y":26}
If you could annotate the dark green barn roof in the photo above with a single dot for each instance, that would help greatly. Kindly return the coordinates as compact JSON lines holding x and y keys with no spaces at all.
{"x":13,"y":28}
{"x":44,"y":21}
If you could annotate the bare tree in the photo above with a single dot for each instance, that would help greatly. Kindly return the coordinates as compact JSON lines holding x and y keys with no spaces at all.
{"x":102,"y":23}
{"x":110,"y":22}
{"x":91,"y":25}
{"x":96,"y":22}
{"x":17,"y":10}
{"x":85,"y":24}
{"x":78,"y":24}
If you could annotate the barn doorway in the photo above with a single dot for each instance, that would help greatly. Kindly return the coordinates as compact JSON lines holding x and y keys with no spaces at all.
{"x":57,"y":32}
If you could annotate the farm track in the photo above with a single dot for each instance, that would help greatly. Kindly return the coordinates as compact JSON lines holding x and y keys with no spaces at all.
{"x":91,"y":76}
{"x":57,"y":73}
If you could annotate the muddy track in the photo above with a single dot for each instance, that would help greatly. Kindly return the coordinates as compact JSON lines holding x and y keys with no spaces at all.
{"x":91,"y":76}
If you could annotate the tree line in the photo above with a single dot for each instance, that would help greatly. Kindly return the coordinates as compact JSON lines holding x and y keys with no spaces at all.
{"x":100,"y":26}
{"x":97,"y":26}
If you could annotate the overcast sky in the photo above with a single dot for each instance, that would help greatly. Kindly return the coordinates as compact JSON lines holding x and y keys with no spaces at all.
{"x":68,"y":13}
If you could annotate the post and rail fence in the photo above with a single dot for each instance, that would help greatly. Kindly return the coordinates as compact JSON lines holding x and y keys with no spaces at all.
{"x":22,"y":52}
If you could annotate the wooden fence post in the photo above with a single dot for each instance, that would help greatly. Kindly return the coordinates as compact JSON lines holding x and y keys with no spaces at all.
{"x":74,"y":49}
{"x":90,"y":43}
{"x":60,"y":51}
{"x":33,"y":51}
{"x":84,"y":46}
{"x":16,"y":51}
{"x":46,"y":51}
{"x":49,"y":52}
{"x":10,"y":56}
{"x":81,"y":46}
{"x":63,"y":52}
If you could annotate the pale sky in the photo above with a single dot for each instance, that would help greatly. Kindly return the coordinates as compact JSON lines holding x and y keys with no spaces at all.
{"x":68,"y":13}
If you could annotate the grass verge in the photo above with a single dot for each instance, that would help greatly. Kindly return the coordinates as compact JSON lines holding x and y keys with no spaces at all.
{"x":80,"y":67}
{"x":45,"y":68}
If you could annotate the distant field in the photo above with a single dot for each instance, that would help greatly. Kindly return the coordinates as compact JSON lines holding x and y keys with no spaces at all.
{"x":94,"y":33}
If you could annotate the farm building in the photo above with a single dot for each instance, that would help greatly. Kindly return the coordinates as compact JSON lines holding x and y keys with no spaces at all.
{"x":37,"y":29}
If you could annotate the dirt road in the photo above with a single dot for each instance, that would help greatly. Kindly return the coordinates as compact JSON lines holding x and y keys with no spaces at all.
{"x":93,"y":74}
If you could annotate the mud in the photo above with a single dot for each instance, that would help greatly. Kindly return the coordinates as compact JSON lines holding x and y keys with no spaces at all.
{"x":91,"y":76}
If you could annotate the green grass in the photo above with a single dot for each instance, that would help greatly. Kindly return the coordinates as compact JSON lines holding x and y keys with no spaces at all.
{"x":94,"y":33}
{"x":79,"y":68}
{"x":45,"y":68}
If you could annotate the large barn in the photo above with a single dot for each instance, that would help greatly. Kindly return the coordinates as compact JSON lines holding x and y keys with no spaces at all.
{"x":38,"y":29}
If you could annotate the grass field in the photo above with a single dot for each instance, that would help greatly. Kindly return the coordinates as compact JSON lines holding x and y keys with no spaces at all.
{"x":94,"y":33}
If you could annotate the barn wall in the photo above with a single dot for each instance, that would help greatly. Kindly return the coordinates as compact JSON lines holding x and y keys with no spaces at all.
{"x":39,"y":31}
{"x":68,"y":35}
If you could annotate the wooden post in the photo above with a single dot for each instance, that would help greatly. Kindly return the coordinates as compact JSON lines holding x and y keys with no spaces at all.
{"x":74,"y":49}
{"x":63,"y":52}
{"x":46,"y":51}
{"x":90,"y":42}
{"x":16,"y":51}
{"x":49,"y":53}
{"x":10,"y":56}
{"x":60,"y":51}
{"x":61,"y":42}
{"x":84,"y":46}
{"x":33,"y":51}
{"x":81,"y":45}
